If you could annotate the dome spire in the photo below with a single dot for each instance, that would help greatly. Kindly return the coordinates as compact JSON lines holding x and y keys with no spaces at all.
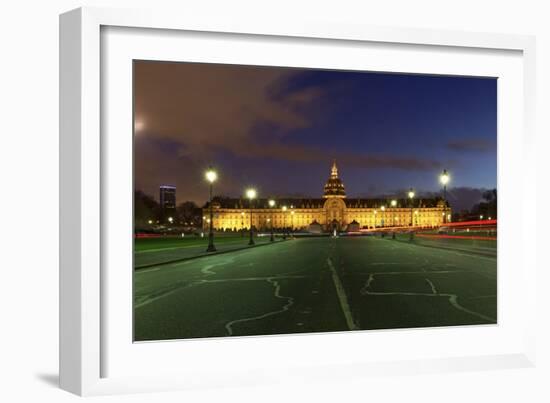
{"x":334,"y":186}
{"x":334,"y":170}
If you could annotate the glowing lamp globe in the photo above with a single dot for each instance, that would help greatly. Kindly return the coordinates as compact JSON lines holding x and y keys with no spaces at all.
{"x":444,"y":178}
{"x":251,"y":193}
{"x":211,"y":175}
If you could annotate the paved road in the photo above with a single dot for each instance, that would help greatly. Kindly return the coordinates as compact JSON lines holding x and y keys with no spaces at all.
{"x":315,"y":285}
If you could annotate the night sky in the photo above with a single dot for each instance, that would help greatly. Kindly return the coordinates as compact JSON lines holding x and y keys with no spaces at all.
{"x":278,"y":129}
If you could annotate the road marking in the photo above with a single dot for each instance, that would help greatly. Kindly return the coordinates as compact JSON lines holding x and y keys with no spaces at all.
{"x":367,"y":284}
{"x":148,"y":300}
{"x":453,"y":298}
{"x":171,"y":290}
{"x":206,"y":269}
{"x":342,"y":297}
{"x":434,"y":291}
{"x":228,"y":280}
{"x":290,"y":302}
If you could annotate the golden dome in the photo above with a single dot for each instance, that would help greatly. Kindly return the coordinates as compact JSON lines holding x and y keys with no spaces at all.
{"x":334,"y":186}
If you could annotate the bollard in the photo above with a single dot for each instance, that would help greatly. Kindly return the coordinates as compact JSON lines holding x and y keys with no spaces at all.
{"x":393,"y":235}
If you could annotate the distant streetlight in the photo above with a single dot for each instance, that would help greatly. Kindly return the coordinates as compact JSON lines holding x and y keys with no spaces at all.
{"x":251,"y":194}
{"x":444,"y":179}
{"x":150,"y":222}
{"x":271,"y":205}
{"x":170,"y":220}
{"x":211,"y":176}
{"x":284,"y":221}
{"x":411,"y":197}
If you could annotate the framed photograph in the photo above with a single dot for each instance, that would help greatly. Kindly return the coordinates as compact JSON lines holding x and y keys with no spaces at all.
{"x":244,"y":201}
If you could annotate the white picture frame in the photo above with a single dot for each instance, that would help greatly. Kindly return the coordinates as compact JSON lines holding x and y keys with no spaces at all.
{"x":85,"y":344}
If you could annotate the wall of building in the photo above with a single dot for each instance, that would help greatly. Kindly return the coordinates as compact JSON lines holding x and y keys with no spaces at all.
{"x":237,"y":219}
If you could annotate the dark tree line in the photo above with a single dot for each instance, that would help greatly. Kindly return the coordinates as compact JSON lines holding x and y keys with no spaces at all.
{"x":145,"y":208}
{"x":488,"y":207}
{"x":147,"y":212}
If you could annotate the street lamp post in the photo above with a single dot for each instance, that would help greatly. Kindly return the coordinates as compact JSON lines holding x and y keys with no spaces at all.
{"x":393,"y":204}
{"x":242,"y":224}
{"x":383,"y":208}
{"x":292,"y":223}
{"x":271,"y":205}
{"x":444,"y":179}
{"x":251,"y":194}
{"x":211,"y":177}
{"x":411,"y":197}
{"x":284,"y":222}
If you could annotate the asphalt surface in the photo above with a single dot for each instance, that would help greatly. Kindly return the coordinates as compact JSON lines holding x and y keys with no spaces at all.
{"x":315,"y":285}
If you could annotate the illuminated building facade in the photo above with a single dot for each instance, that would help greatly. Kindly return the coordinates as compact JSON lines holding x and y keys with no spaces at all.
{"x":333,"y":211}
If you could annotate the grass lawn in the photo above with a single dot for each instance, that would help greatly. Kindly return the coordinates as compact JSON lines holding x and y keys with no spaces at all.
{"x":170,"y":242}
{"x":150,"y":251}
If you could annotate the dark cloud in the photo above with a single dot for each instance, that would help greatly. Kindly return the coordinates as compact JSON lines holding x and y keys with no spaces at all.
{"x":204,"y":105}
{"x":202,"y":109}
{"x":460,"y":198}
{"x":299,"y":153}
{"x":471,"y":144}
